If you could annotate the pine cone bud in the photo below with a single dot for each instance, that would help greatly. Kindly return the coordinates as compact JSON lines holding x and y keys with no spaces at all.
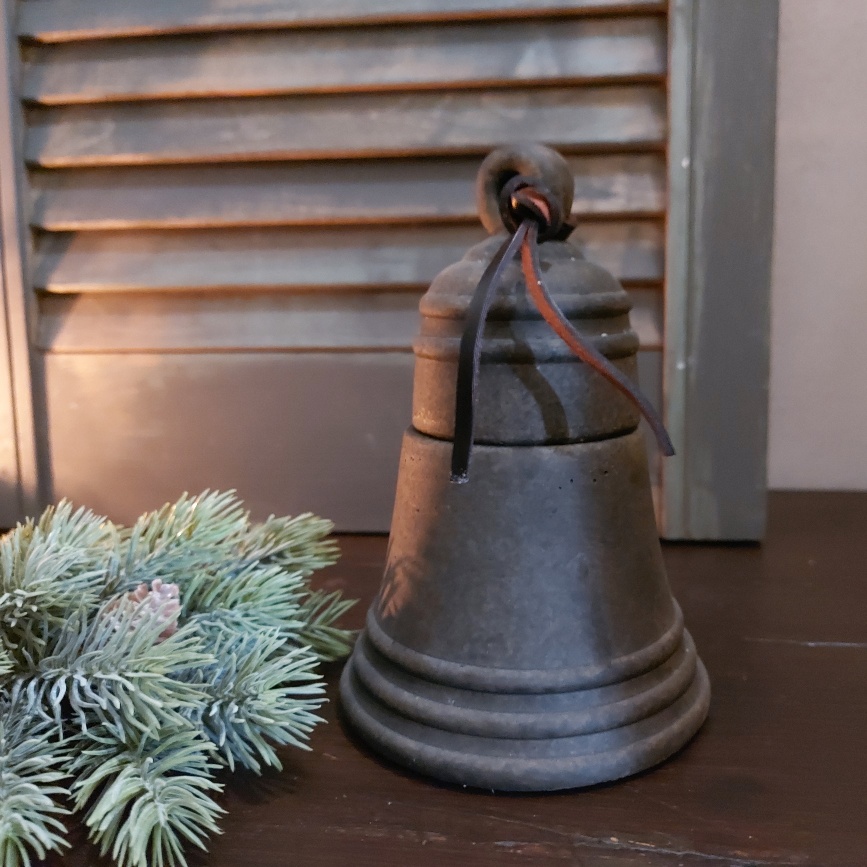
{"x":161,"y":601}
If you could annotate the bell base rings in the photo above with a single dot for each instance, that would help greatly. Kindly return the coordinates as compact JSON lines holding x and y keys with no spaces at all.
{"x":524,"y":637}
{"x":526,"y":741}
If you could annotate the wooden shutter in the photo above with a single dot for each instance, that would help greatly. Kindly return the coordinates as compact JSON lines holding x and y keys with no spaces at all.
{"x":236,"y":205}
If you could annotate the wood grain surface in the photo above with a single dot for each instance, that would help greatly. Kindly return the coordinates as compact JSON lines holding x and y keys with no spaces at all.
{"x":776,"y":776}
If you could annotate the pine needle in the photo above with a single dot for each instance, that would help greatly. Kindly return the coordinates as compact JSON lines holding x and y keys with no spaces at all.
{"x":7,"y":665}
{"x":260,"y":693}
{"x":30,"y":769}
{"x":49,"y":569}
{"x":110,"y":666}
{"x":147,"y":798}
{"x":318,"y":613}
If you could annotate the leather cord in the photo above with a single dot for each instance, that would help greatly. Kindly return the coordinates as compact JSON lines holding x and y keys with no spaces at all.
{"x":585,"y":350}
{"x":530,"y":212}
{"x":470,"y":352}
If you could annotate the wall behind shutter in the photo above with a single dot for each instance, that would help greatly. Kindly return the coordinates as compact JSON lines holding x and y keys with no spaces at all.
{"x":236,"y":207}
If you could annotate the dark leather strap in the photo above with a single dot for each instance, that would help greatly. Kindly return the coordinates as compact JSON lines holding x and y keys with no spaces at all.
{"x":529,"y":209}
{"x":470,"y":352}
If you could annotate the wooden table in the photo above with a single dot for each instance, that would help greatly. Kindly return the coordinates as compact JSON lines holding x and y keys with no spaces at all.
{"x":777,"y":776}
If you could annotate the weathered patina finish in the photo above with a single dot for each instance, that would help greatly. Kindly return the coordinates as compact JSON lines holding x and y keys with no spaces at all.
{"x":525,"y":637}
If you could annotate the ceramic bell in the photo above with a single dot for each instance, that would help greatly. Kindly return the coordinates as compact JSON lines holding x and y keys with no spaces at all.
{"x":525,"y":637}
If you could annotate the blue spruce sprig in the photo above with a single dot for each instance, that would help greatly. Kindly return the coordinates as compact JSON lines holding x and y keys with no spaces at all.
{"x":135,"y":662}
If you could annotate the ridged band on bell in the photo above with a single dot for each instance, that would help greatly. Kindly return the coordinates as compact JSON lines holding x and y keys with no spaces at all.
{"x":525,"y":637}
{"x":531,"y":389}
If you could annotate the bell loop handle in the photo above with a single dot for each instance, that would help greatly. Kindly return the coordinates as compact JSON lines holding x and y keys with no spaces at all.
{"x":533,"y":214}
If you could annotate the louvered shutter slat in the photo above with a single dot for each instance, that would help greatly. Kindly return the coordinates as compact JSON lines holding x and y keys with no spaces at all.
{"x":302,"y":259}
{"x":369,"y":125}
{"x":277,"y":322}
{"x":73,"y":20}
{"x":340,"y":61}
{"x":327,"y":192}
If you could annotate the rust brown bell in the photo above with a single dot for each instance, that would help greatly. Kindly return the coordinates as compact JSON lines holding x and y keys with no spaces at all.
{"x":525,"y":637}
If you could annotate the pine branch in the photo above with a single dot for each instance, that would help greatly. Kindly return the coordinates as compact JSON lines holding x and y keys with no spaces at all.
{"x":300,"y":544}
{"x":47,"y":570}
{"x":30,"y":770}
{"x":266,"y":597}
{"x":318,"y":614}
{"x":64,"y":526}
{"x":112,"y":665}
{"x":147,"y":798}
{"x":184,"y":538}
{"x":209,"y":548}
{"x":154,"y":685}
{"x":203,"y":546}
{"x":260,"y":692}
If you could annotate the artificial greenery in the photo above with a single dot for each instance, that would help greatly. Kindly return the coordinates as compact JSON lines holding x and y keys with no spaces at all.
{"x":137,"y":662}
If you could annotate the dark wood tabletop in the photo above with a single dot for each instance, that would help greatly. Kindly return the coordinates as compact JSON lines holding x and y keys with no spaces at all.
{"x":777,"y":776}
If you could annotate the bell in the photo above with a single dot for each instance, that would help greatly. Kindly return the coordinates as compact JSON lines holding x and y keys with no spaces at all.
{"x":524,"y":637}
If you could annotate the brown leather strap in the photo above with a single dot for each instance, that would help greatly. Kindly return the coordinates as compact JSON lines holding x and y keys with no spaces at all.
{"x":585,"y":350}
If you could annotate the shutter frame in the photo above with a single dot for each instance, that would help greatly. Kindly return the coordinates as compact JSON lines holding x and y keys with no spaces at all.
{"x":70,"y":200}
{"x":721,"y":170}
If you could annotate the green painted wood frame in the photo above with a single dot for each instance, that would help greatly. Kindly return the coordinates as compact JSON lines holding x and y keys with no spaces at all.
{"x":722,"y":92}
